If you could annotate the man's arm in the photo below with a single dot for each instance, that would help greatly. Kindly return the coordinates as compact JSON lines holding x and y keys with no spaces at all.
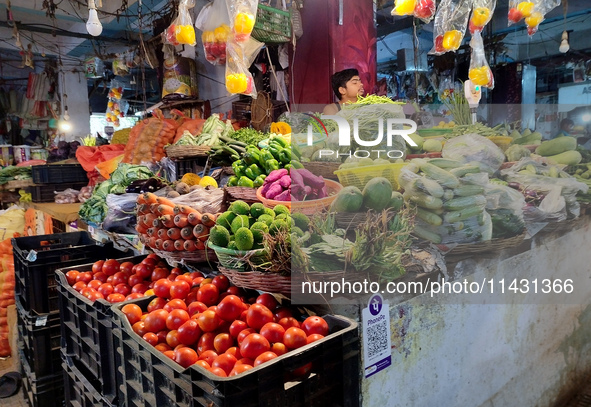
{"x":330,"y":109}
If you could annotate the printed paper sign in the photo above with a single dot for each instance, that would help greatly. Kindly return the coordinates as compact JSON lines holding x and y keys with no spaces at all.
{"x":377,"y":354}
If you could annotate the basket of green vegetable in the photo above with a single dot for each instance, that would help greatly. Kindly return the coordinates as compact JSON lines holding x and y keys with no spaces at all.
{"x":239,"y":260}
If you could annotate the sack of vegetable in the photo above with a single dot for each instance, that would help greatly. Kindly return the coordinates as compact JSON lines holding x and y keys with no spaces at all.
{"x":148,"y":138}
{"x":475,"y":148}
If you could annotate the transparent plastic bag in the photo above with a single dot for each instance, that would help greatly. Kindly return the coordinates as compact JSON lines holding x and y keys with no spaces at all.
{"x":505,"y":206}
{"x":482,"y":12}
{"x":214,"y":23}
{"x":450,"y":25}
{"x":116,"y":106}
{"x":533,"y":11}
{"x":121,"y":216}
{"x":423,"y":9}
{"x":120,"y":67}
{"x":240,"y":58}
{"x":242,"y":18}
{"x":473,"y":230}
{"x":474,"y":148}
{"x":480,"y":73}
{"x":181,"y":31}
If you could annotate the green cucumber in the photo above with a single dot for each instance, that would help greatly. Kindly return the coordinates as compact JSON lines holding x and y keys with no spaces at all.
{"x":448,"y":194}
{"x":468,"y":190}
{"x":456,"y":216}
{"x":444,"y":163}
{"x":423,"y":200}
{"x":427,"y":234}
{"x":443,"y":177}
{"x":427,"y":186}
{"x":466,"y":169}
{"x":429,"y":217}
{"x":457,"y":204}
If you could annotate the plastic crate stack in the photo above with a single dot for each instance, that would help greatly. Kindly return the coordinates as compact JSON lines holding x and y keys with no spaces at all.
{"x":87,"y":346}
{"x":36,"y":259}
{"x":53,"y":178}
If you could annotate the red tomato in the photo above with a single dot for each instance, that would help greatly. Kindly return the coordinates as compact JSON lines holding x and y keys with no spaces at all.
{"x":79,"y":286}
{"x":126,"y":267}
{"x":176,"y":318}
{"x":175,"y":304}
{"x":198,"y":280}
{"x":206,"y":281}
{"x":139,"y":288}
{"x":225,"y":362}
{"x":110,"y":279}
{"x":115,"y":297}
{"x":515,"y":15}
{"x":143,"y":271}
{"x":122,"y":289}
{"x":184,"y":277}
{"x":86,"y":291}
{"x":196,"y":307}
{"x":162,"y":288}
{"x":98,"y":266}
{"x":150,"y":261}
{"x":205,"y":343}
{"x":94,"y":284}
{"x":156,"y":303}
{"x":264,"y":357}
{"x":234,"y":351}
{"x":282,"y":312}
{"x":424,"y":9}
{"x":203,"y":364}
{"x":151,"y":338}
{"x":134,"y":279}
{"x":133,"y":313}
{"x":237,"y":291}
{"x":222,"y":342}
{"x":273,"y":332}
{"x":159,"y":273}
{"x":300,"y":372}
{"x":229,"y":308}
{"x":236,"y":327}
{"x":240,"y":369}
{"x":258,"y":315}
{"x":110,"y":267}
{"x":289,"y":322}
{"x":119,"y":278}
{"x":85,"y":277}
{"x":163,"y":347}
{"x":100,"y":276}
{"x":439,"y":44}
{"x":152,"y":256}
{"x":208,"y":294}
{"x":169,"y":354}
{"x":185,"y":357}
{"x":195,"y":274}
{"x":179,"y":289}
{"x":172,"y":339}
{"x":243,"y":334}
{"x":279,"y":348}
{"x":71,"y":276}
{"x":221,"y":282}
{"x":156,"y":320}
{"x":294,"y":338}
{"x":314,"y":338}
{"x":162,"y":336}
{"x":267,"y":300}
{"x":245,"y":361}
{"x":208,"y":321}
{"x":105,"y":289}
{"x":139,"y":328}
{"x":218,"y":372}
{"x":189,"y":332}
{"x":253,"y":345}
{"x":315,"y":325}
{"x":208,"y":356}
{"x":133,"y":296}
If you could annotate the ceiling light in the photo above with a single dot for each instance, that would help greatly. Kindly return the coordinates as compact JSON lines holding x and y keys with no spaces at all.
{"x":587,"y":117}
{"x":564,"y":46}
{"x":65,"y":126}
{"x":93,"y":25}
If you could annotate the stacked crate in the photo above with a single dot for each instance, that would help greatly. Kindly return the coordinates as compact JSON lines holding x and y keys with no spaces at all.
{"x":52,"y":178}
{"x":36,"y":259}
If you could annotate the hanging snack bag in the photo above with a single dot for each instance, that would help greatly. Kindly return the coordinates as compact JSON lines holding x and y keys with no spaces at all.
{"x":214,"y":22}
{"x":450,"y":25}
{"x":423,"y":9}
{"x":482,"y":12}
{"x":179,"y":75}
{"x":240,"y":58}
{"x":242,"y":18}
{"x":480,"y":73}
{"x":181,"y":31}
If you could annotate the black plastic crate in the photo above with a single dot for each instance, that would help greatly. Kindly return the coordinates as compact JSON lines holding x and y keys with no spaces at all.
{"x":79,"y":391}
{"x":58,"y":174}
{"x":189,"y":165}
{"x":47,"y":391}
{"x":87,"y":334}
{"x":46,"y":192}
{"x":40,"y":337}
{"x":37,"y":257}
{"x":148,"y":378}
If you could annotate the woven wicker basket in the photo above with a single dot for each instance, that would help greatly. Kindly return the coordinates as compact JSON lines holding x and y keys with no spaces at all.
{"x":306,"y":207}
{"x":324,"y":169}
{"x":198,"y":256}
{"x":350,"y":220}
{"x":256,"y":280}
{"x":239,"y":260}
{"x":494,"y":245}
{"x":187,"y":151}
{"x":248,"y":195}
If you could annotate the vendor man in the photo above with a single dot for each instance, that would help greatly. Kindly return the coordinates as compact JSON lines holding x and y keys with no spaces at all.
{"x":347,"y":86}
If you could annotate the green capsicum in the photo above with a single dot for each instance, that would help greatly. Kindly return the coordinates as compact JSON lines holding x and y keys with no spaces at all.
{"x":265,"y":157}
{"x":259,"y":181}
{"x":245,"y":182}
{"x":287,"y":166}
{"x":272,"y":165}
{"x":285,"y":155}
{"x":238,"y":167}
{"x":253,"y":171}
{"x":280,"y":140}
{"x":232,"y":181}
{"x":296,"y":164}
{"x":252,"y":155}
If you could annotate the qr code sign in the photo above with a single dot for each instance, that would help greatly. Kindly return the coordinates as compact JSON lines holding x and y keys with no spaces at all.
{"x":377,"y":339}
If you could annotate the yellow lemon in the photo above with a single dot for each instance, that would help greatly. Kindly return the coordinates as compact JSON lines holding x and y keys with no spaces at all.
{"x":208,"y":181}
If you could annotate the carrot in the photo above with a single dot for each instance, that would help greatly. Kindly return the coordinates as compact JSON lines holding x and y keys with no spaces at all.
{"x":181,"y":221}
{"x":151,"y":232}
{"x":162,"y":233}
{"x":190,"y":245}
{"x":168,"y":245}
{"x":157,"y":224}
{"x":199,"y":231}
{"x":154,"y":209}
{"x":194,"y":218}
{"x":149,"y":219}
{"x":142,"y":209}
{"x":141,"y":228}
{"x":165,"y":210}
{"x":140,"y":199}
{"x":165,"y":201}
{"x":150,"y":198}
{"x":174,"y":233}
{"x":152,"y":241}
{"x":187,"y":233}
{"x":167,"y":221}
{"x":208,"y":219}
{"x":199,"y":245}
{"x":179,"y":245}
{"x":158,"y":244}
{"x":186,"y":209}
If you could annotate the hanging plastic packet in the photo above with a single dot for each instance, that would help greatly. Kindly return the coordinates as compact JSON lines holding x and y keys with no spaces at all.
{"x":450,"y":25}
{"x":181,"y":31}
{"x":120,"y":67}
{"x":214,"y":22}
{"x":533,"y":11}
{"x":242,"y":18}
{"x":480,"y":73}
{"x":482,"y":12}
{"x":423,"y":9}
{"x":116,"y":106}
{"x":240,"y":58}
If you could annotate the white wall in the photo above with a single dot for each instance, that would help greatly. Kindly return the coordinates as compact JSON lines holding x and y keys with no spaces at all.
{"x":77,"y":90}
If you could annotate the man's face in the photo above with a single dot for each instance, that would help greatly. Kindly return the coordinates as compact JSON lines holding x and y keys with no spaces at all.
{"x":354,"y":88}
